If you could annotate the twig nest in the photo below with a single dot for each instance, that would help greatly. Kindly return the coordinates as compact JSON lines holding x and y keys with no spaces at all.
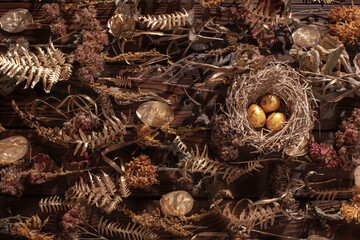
{"x":357,"y":176}
{"x":155,"y":113}
{"x":296,"y":105}
{"x":177,"y":203}
{"x":13,"y":148}
{"x":307,"y":36}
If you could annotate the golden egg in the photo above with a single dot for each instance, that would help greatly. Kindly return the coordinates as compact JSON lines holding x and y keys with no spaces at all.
{"x":256,"y":116}
{"x":270,"y":103}
{"x":275,"y":121}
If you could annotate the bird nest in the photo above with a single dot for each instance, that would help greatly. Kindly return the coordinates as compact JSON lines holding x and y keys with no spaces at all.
{"x":297,"y":102}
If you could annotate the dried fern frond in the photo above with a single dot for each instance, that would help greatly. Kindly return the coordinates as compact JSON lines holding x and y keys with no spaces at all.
{"x":328,"y":194}
{"x":54,"y":204}
{"x":262,"y":13}
{"x":200,"y":162}
{"x":124,"y":189}
{"x":169,"y":21}
{"x":101,"y":192}
{"x":129,"y":231}
{"x":49,"y":66}
{"x":126,"y":96}
{"x":262,"y":212}
{"x":112,"y":130}
{"x":322,"y":1}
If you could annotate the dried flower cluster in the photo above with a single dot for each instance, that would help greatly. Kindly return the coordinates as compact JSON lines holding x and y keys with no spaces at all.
{"x":345,"y":23}
{"x":351,"y":212}
{"x":157,"y":221}
{"x":224,"y":139}
{"x":83,"y":122}
{"x":52,"y":15}
{"x":30,"y":229}
{"x":71,"y":221}
{"x":11,"y":181}
{"x":42,"y":163}
{"x":93,"y":38}
{"x":324,"y":154}
{"x":347,"y":140}
{"x":140,"y":172}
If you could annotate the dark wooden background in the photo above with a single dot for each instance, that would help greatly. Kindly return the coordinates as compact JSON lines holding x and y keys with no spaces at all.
{"x":139,"y":200}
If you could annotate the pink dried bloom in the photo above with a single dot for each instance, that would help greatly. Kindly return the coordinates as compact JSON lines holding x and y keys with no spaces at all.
{"x":81,"y":121}
{"x":42,"y":163}
{"x":324,"y":154}
{"x":52,"y":15}
{"x":93,"y":40}
{"x":87,"y":17}
{"x":347,"y":140}
{"x":11,"y":181}
{"x":71,"y":221}
{"x":106,"y":102}
{"x":51,"y":12}
{"x":59,"y":28}
{"x":92,"y":63}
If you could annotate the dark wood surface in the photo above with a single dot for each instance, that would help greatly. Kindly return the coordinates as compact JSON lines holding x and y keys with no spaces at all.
{"x":139,"y":200}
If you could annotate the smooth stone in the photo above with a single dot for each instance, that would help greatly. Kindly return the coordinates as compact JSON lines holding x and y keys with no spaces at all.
{"x":16,"y":20}
{"x":177,"y":203}
{"x":13,"y":148}
{"x":307,"y":36}
{"x":155,"y":113}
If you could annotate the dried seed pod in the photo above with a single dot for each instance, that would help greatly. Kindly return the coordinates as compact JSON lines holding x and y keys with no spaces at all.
{"x":13,"y":148}
{"x":307,"y":36}
{"x":16,"y":20}
{"x":155,"y":113}
{"x":177,"y":203}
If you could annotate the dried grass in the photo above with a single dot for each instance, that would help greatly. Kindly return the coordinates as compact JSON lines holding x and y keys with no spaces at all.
{"x":298,"y":100}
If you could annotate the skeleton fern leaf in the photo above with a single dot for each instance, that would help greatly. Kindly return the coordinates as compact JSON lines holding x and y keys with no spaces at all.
{"x":101,"y":192}
{"x":49,"y":66}
{"x":176,"y":19}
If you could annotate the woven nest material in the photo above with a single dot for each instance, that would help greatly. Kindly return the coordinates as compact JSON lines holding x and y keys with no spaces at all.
{"x":297,"y":98}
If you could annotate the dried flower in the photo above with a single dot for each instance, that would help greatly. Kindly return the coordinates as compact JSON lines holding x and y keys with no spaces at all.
{"x":106,"y":102}
{"x":351,"y":212}
{"x":224,"y":139}
{"x":52,"y":15}
{"x":81,"y":121}
{"x":42,"y":163}
{"x":155,"y":221}
{"x":93,"y":39}
{"x":51,"y":12}
{"x":71,"y":221}
{"x":347,"y":140}
{"x":141,"y":173}
{"x":30,"y":229}
{"x":324,"y":154}
{"x":345,"y":23}
{"x":11,"y":182}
